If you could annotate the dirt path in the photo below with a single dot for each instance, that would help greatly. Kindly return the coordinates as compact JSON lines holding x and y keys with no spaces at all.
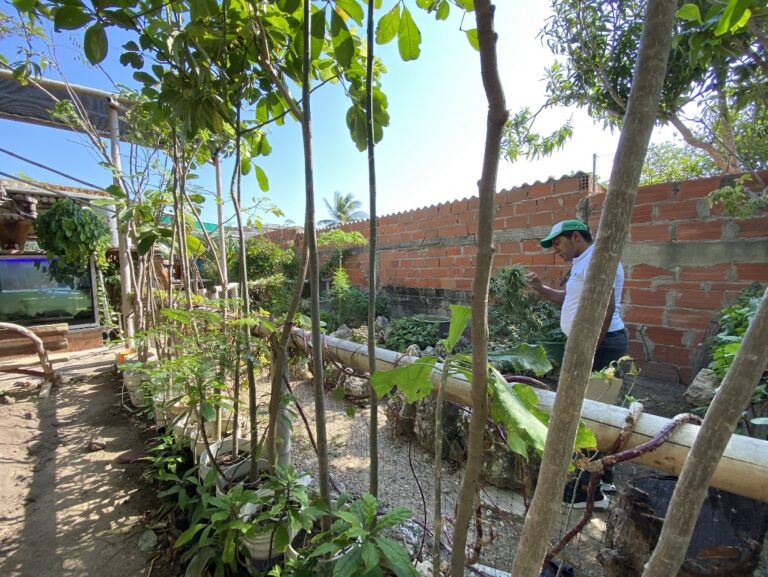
{"x":68,"y":510}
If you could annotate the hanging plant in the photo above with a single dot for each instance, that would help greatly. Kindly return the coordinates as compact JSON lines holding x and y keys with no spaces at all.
{"x":72,"y":234}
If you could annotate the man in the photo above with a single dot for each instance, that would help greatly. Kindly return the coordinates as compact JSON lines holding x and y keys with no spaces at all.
{"x":572,"y":241}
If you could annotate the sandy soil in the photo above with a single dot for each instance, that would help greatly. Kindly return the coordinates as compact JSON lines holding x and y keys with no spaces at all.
{"x":67,"y":510}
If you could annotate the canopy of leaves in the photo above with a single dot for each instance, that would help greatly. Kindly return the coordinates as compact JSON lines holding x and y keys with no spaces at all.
{"x":673,"y":162}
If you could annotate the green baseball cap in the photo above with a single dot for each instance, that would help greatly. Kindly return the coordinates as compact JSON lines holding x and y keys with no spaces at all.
{"x":560,"y":228}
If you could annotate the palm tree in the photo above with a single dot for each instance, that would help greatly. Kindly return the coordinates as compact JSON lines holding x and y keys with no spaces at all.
{"x":344,"y":209}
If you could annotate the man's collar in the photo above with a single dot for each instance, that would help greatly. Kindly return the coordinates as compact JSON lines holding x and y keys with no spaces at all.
{"x":583,"y":255}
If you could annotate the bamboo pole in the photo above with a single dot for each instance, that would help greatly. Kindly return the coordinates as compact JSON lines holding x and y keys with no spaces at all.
{"x":742,"y":469}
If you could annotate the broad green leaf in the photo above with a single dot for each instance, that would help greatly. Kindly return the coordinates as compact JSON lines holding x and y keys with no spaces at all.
{"x":408,"y":37}
{"x":585,"y":438}
{"x":282,"y":538}
{"x":690,"y":13}
{"x":199,"y":563}
{"x":388,"y":24}
{"x":70,"y":18}
{"x":187,"y":535}
{"x":324,"y":549}
{"x":317,"y":33}
{"x":393,"y":517}
{"x":412,"y":379}
{"x":460,"y":316}
{"x":25,"y":5}
{"x":343,"y":47}
{"x":370,"y":507}
{"x":195,"y":245}
{"x":349,"y":517}
{"x":472,"y":37}
{"x":145,"y":243}
{"x":208,"y":411}
{"x":509,"y":408}
{"x":732,"y":16}
{"x":370,"y":555}
{"x":525,"y":358}
{"x":261,"y":178}
{"x":397,"y":558}
{"x":349,"y":564}
{"x":95,"y":44}
{"x":468,"y":5}
{"x":245,"y":165}
{"x":352,"y":9}
{"x":350,"y":411}
{"x":443,"y":10}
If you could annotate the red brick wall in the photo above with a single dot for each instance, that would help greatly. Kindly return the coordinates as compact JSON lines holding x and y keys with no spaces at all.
{"x":683,"y":261}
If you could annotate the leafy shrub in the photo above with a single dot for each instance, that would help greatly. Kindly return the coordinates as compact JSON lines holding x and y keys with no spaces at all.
{"x":272,"y":293}
{"x":263,"y":258}
{"x":408,"y":331}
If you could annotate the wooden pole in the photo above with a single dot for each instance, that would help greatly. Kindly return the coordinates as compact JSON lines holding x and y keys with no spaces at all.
{"x":742,"y":470}
{"x":39,"y":348}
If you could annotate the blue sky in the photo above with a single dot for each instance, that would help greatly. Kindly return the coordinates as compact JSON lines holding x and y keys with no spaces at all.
{"x":431,"y":152}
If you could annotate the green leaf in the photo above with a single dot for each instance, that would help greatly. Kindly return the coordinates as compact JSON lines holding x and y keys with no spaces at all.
{"x":443,"y":10}
{"x":370,"y":555}
{"x":350,"y":518}
{"x":393,"y":517}
{"x":732,"y":17}
{"x":103,"y":202}
{"x":525,"y":358}
{"x":343,"y":47}
{"x":199,"y":563}
{"x":387,"y":27}
{"x":261,"y":178}
{"x":408,"y":37}
{"x":460,"y":316}
{"x":350,"y":411}
{"x":689,"y":13}
{"x":144,"y":245}
{"x":208,"y":411}
{"x":70,"y":18}
{"x":412,"y":379}
{"x":509,"y":409}
{"x":95,"y":44}
{"x":245,"y":165}
{"x":25,"y":5}
{"x":472,"y":37}
{"x":352,"y":9}
{"x":397,"y":559}
{"x":317,"y":33}
{"x":195,"y":245}
{"x":349,"y":564}
{"x":187,"y":535}
{"x":370,"y":507}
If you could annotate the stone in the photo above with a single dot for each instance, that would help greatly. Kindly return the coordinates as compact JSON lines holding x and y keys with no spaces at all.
{"x":7,"y":400}
{"x":413,"y":350}
{"x":380,"y":328}
{"x":357,"y":387}
{"x":333,"y":375}
{"x":131,"y":456}
{"x":28,"y":415}
{"x":96,"y":445}
{"x":702,"y":390}
{"x":429,"y":352}
{"x":343,"y":332}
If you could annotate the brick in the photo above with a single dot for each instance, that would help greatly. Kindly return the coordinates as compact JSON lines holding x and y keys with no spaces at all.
{"x":568,"y":184}
{"x":676,"y":210}
{"x":643,"y":315}
{"x":525,"y":207}
{"x":700,"y":300}
{"x":459,"y":206}
{"x":516,"y":222}
{"x":543,"y":258}
{"x":651,"y":298}
{"x":655,"y":193}
{"x":717,"y":272}
{"x":508,"y":247}
{"x":544,"y":218}
{"x":531,"y":246}
{"x":500,"y":260}
{"x":541,"y":190}
{"x":753,"y":227}
{"x":752,"y":272}
{"x":549,"y":204}
{"x":650,"y":232}
{"x":516,"y":195}
{"x":507,"y":210}
{"x":699,"y":230}
{"x":688,"y":319}
{"x":636,"y":350}
{"x":672,"y":355}
{"x":665,"y":336}
{"x":645,"y":271}
{"x":641,"y":213}
{"x":698,"y":188}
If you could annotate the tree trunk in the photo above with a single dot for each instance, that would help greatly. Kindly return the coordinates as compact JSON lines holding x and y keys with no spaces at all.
{"x":373,"y":431}
{"x":720,"y":421}
{"x":614,"y":223}
{"x":497,"y":116}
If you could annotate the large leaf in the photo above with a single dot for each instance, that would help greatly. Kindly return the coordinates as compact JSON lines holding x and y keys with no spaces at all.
{"x":408,"y":37}
{"x":70,"y":18}
{"x":95,"y":44}
{"x":689,"y":12}
{"x":525,"y":358}
{"x":343,"y":47}
{"x":317,"y":32}
{"x":511,"y":406}
{"x":388,"y":25}
{"x":413,"y":379}
{"x":460,"y":316}
{"x":187,"y":535}
{"x":200,"y":562}
{"x":349,"y":564}
{"x":352,"y":9}
{"x":397,"y":558}
{"x":261,"y":178}
{"x":393,"y":517}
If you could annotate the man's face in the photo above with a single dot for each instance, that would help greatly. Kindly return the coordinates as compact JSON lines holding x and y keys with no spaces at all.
{"x":564,"y":247}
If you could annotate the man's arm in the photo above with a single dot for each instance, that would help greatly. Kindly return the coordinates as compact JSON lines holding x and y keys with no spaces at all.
{"x":553,"y":295}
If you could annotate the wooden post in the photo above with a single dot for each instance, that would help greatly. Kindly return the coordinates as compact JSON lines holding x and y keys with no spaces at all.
{"x":39,"y":347}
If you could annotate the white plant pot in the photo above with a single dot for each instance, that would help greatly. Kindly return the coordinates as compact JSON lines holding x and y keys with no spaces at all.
{"x":231,"y":473}
{"x":197,"y":443}
{"x":260,"y":544}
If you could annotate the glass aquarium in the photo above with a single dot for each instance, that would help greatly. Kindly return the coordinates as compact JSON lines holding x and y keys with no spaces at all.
{"x":32,"y":293}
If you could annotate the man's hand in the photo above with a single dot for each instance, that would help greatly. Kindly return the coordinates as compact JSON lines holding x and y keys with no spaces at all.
{"x":534,"y":281}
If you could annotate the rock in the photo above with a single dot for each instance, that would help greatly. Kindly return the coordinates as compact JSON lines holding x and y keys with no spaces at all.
{"x":131,"y":456}
{"x":23,"y":383}
{"x":343,"y":332}
{"x":357,"y":387}
{"x":28,"y":415}
{"x":429,"y":352}
{"x":702,"y":390}
{"x":400,"y":414}
{"x":413,"y":350}
{"x":380,"y":328}
{"x":96,"y":445}
{"x":7,"y":400}
{"x":333,"y":375}
{"x":299,"y":369}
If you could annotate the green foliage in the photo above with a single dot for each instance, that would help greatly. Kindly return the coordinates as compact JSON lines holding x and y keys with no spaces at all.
{"x":263,"y":258}
{"x":523,"y":358}
{"x":73,"y":234}
{"x":518,"y":316}
{"x":344,"y":208}
{"x":519,"y":139}
{"x":357,"y":542}
{"x":673,"y":162}
{"x":737,"y":200}
{"x":272,"y":293}
{"x":405,"y":332}
{"x":734,"y":321}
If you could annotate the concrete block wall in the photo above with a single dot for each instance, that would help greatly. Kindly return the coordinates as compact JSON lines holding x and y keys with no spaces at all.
{"x":683,"y":261}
